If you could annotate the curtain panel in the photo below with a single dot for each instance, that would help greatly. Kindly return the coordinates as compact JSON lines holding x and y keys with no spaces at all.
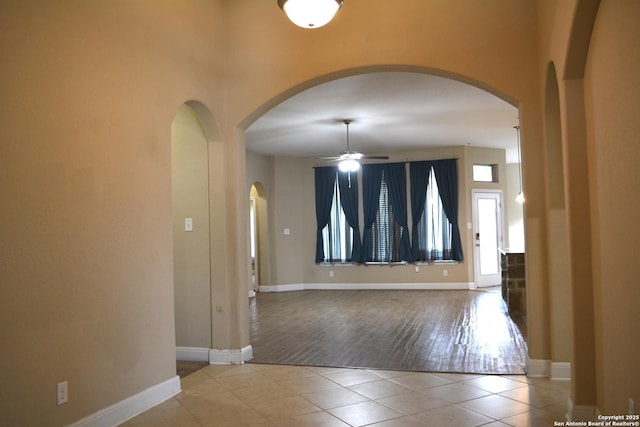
{"x":396,"y":178}
{"x":371,"y":183}
{"x":325,"y":179}
{"x":446,"y":173}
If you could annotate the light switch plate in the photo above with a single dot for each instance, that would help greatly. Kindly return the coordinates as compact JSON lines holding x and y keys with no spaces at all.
{"x":188,"y":224}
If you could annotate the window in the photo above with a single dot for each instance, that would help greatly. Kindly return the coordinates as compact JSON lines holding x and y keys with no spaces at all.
{"x":434,"y":228}
{"x":385,"y":232}
{"x":337,"y":234}
{"x":485,"y":173}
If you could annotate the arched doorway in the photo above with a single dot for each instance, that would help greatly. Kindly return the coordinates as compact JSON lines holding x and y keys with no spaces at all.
{"x":190,"y":133}
{"x":258,"y":237}
{"x":290,"y":178}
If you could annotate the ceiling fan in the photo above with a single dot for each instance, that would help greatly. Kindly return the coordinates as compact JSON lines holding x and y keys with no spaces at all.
{"x":349,"y":161}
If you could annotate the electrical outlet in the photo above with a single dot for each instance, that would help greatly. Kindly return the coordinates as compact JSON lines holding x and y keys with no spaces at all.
{"x":62,"y":393}
{"x":331,"y":274}
{"x":632,"y":407}
{"x":445,"y":273}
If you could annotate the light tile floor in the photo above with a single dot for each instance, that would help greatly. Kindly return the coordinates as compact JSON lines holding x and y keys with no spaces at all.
{"x":276,"y":395}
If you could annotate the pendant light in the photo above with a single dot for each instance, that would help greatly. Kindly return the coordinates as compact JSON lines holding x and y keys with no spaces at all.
{"x":520,"y":196}
{"x":310,"y":13}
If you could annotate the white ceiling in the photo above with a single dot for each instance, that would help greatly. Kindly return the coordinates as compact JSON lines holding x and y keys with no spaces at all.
{"x":390,"y":111}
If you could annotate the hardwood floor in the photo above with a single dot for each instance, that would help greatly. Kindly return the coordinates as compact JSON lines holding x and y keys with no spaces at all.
{"x":433,"y":331}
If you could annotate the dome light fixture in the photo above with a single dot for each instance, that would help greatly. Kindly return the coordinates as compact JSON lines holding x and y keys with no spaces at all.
{"x":310,"y":13}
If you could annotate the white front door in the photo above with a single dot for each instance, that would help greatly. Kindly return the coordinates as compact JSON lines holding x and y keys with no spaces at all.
{"x":487,"y":236}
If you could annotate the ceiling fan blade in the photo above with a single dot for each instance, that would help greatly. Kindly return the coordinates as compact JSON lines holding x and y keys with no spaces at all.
{"x":365,"y":157}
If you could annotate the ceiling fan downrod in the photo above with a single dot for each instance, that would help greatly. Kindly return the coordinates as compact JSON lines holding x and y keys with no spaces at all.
{"x":347,"y":122}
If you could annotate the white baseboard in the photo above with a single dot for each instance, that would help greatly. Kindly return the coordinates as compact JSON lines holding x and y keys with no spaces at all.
{"x":217,"y":357}
{"x":281,"y":288}
{"x":192,"y":354}
{"x":213,"y":356}
{"x":560,"y":371}
{"x":555,"y":371}
{"x":580,"y":412}
{"x":538,"y":368}
{"x":368,"y":286}
{"x":132,"y":406}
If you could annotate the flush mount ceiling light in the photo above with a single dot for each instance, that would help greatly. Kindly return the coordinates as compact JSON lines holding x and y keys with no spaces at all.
{"x":310,"y":13}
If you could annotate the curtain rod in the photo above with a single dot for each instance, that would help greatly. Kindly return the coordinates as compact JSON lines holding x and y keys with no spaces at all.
{"x":405,"y":161}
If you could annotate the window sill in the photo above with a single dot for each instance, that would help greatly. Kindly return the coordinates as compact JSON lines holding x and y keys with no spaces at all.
{"x":355,"y":264}
{"x":386,"y":263}
{"x":337,"y":264}
{"x":437,"y":262}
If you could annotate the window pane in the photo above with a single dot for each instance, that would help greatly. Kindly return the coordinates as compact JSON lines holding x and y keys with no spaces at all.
{"x":337,"y":235}
{"x":484,"y":173}
{"x":434,"y":228}
{"x":385,"y":232}
{"x":487,"y":215}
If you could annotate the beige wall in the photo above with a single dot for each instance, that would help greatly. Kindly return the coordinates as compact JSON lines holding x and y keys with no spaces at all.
{"x":89,"y":93}
{"x":612,"y":98}
{"x":599,"y":148}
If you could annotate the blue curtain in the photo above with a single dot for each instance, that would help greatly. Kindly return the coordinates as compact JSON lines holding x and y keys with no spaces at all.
{"x":419,"y":178}
{"x":371,"y":182}
{"x":325,"y":179}
{"x":446,"y":173}
{"x":396,"y":179}
{"x":349,"y":201}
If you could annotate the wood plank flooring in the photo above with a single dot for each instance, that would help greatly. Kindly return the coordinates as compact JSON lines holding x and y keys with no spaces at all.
{"x":432,"y":331}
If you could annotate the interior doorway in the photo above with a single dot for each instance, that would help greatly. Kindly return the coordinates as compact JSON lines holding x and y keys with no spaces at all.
{"x":258,"y":239}
{"x":487,"y":237}
{"x":253,"y":243}
{"x":191,"y":129}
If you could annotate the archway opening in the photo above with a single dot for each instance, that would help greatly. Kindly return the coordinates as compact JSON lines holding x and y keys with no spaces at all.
{"x":191,"y":233}
{"x":290,"y":179}
{"x":258,"y":237}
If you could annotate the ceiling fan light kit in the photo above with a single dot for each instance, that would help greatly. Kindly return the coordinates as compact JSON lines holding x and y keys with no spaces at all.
{"x":310,"y":13}
{"x":349,"y":165}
